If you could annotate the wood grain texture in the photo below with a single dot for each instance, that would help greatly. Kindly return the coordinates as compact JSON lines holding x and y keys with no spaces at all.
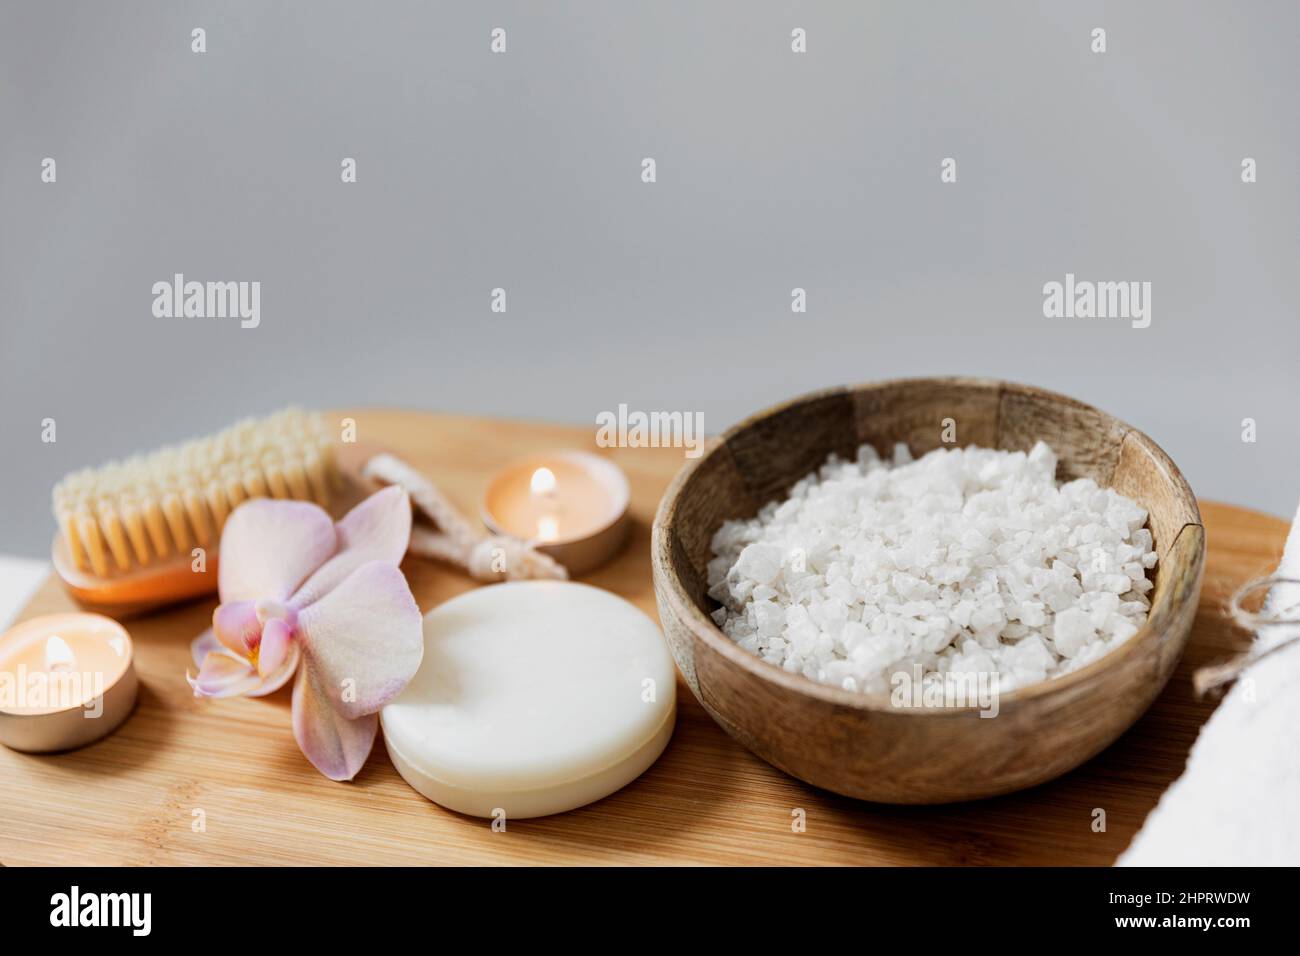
{"x":129,"y":799}
{"x":862,"y":745}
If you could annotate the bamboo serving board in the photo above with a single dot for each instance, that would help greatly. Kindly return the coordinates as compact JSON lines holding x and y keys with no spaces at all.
{"x":137,"y":797}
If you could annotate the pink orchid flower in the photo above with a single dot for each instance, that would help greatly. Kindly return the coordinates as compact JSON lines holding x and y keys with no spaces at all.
{"x":301,"y":594}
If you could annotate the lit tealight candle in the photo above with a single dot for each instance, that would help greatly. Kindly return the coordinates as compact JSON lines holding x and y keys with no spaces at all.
{"x":570,"y":504}
{"x":65,"y":680}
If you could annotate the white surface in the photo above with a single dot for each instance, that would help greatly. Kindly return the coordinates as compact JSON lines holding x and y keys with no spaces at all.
{"x":1236,"y":802}
{"x":532,"y":699}
{"x":19,"y":578}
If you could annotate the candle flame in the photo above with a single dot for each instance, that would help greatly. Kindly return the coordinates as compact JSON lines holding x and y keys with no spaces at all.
{"x":58,"y":655}
{"x":548,"y":529}
{"x":542,"y":482}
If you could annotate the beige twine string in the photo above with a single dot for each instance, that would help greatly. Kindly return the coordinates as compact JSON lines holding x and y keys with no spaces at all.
{"x":1214,"y":676}
{"x":455,"y":540}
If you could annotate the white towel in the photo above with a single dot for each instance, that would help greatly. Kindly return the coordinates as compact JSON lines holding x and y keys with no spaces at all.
{"x":19,"y":579}
{"x":1238,"y":801}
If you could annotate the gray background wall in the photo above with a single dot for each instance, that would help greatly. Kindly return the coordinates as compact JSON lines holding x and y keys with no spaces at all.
{"x":775,"y":170}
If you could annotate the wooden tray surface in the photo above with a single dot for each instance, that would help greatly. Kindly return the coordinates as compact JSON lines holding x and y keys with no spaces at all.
{"x":131,"y":798}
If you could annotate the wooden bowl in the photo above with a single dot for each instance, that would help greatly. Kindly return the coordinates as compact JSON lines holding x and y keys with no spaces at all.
{"x":858,"y":744}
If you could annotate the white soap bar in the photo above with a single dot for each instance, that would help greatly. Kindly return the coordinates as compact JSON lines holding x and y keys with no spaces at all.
{"x":534,"y":697}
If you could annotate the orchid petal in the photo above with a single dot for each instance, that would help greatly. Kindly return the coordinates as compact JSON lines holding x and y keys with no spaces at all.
{"x":274,"y":649}
{"x":378,"y":529}
{"x":301,"y":595}
{"x":268,"y":547}
{"x":205,"y":644}
{"x":336,"y":745}
{"x":365,"y":635}
{"x":280,"y":677}
{"x":237,"y":627}
{"x":223,"y":675}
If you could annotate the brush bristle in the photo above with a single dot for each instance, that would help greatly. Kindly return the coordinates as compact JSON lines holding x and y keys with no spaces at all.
{"x":131,"y":514}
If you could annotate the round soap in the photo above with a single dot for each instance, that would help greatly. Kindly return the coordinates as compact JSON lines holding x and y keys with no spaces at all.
{"x":534,"y":697}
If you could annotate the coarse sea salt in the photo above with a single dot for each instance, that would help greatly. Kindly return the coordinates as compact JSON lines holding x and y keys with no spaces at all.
{"x":965,"y":562}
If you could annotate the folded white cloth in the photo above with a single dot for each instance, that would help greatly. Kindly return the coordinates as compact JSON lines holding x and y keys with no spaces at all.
{"x":19,"y":579}
{"x":1237,"y":801}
